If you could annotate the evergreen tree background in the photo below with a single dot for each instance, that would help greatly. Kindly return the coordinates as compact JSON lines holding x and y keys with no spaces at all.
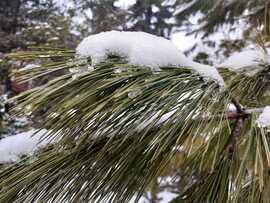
{"x":163,"y":18}
{"x":24,"y":24}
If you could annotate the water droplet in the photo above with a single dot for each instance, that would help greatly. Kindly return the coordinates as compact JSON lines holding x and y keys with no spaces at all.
{"x":90,"y":68}
{"x":134,"y":94}
{"x":118,"y":70}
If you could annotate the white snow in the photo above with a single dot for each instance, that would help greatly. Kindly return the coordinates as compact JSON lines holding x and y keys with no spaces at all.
{"x":264,"y":118}
{"x":141,"y":49}
{"x":29,"y":67}
{"x":246,"y":61}
{"x":15,"y":146}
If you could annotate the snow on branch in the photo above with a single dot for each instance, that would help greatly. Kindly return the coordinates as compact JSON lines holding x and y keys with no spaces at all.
{"x":246,"y":61}
{"x":264,"y":118}
{"x":12,"y":148}
{"x":141,"y":49}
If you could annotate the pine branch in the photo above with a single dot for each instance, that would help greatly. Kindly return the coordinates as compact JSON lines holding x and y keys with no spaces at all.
{"x":115,"y":135}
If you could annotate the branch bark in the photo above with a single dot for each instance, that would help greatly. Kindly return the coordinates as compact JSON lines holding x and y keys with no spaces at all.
{"x":240,"y":116}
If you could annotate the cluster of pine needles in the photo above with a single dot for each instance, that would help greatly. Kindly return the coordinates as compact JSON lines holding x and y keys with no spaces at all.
{"x":114,"y":127}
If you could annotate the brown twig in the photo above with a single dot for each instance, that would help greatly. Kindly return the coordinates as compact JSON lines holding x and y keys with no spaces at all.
{"x":240,"y":115}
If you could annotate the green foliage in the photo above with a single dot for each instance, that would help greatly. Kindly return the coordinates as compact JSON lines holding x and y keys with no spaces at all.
{"x":114,"y":135}
{"x":113,"y":139}
{"x":23,"y":24}
{"x":217,"y":13}
{"x":115,"y":18}
{"x":33,"y":23}
{"x":4,"y":71}
{"x":250,"y":90}
{"x":153,"y":17}
{"x":9,"y":124}
{"x":113,"y":103}
{"x":164,"y":18}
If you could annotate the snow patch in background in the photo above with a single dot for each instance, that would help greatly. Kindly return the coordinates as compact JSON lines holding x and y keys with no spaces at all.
{"x":246,"y":61}
{"x":182,"y":41}
{"x":12,"y":148}
{"x":141,"y":49}
{"x":264,"y":118}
